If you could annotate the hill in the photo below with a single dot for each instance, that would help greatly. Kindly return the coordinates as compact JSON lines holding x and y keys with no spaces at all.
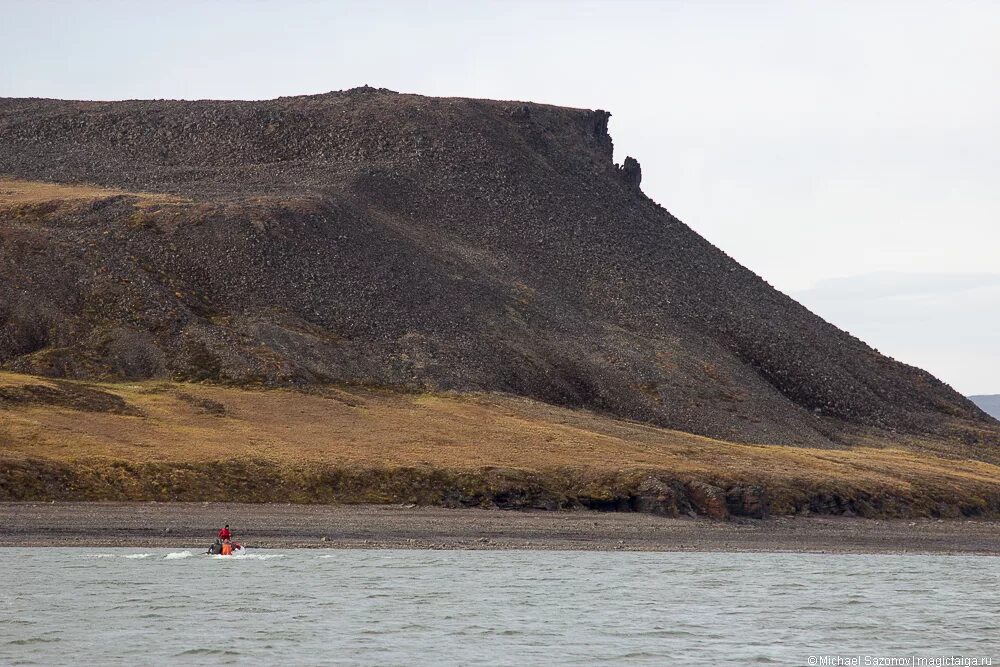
{"x":375,"y":239}
{"x":990,"y":404}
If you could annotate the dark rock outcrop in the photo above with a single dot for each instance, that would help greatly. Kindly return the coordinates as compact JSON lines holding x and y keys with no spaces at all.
{"x":631,"y":172}
{"x":749,"y":501}
{"x":655,"y":496}
{"x":707,"y":499}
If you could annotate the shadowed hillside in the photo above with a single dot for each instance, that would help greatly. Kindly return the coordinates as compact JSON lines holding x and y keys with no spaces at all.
{"x":373,"y":238}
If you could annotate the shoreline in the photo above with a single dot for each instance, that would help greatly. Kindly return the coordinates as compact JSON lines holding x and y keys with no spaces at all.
{"x":263,"y":526}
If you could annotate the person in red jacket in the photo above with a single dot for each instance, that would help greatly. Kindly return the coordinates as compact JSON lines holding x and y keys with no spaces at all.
{"x":224,"y":534}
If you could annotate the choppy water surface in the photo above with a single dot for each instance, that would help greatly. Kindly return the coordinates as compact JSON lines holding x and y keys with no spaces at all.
{"x":130,"y":606}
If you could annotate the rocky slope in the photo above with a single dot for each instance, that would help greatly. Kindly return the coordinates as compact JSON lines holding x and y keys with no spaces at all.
{"x":421,"y":243}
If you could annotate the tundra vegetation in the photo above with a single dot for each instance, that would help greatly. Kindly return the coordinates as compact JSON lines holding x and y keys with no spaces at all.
{"x":156,"y":440}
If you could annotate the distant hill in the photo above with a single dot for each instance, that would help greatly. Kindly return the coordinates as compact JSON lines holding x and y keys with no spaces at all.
{"x":989,"y":403}
{"x":416,"y":244}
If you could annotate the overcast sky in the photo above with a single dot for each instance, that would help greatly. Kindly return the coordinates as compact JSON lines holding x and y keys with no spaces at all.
{"x":849,"y":152}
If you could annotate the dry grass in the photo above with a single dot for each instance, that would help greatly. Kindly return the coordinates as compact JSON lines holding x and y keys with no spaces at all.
{"x":373,"y":430}
{"x":15,"y":193}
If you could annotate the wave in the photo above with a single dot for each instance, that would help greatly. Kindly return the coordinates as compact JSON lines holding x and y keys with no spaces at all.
{"x":243,"y":556}
{"x":178,"y":554}
{"x":207,"y":651}
{"x":33,"y":640}
{"x":129,"y":556}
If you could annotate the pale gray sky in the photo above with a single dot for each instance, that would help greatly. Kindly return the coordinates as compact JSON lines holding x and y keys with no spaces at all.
{"x":822,"y":144}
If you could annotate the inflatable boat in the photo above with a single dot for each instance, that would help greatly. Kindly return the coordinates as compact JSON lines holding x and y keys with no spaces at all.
{"x":220,"y":548}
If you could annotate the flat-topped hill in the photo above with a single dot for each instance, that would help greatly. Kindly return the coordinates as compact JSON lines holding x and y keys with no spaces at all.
{"x":387,"y":240}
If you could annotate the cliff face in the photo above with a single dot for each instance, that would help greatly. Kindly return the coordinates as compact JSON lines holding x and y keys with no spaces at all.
{"x":398,"y":240}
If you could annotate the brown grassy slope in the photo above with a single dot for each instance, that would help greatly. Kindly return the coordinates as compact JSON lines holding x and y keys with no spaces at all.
{"x":15,"y":192}
{"x":159,"y":440}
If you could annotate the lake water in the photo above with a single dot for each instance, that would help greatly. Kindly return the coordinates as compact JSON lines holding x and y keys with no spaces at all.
{"x":133,"y":606}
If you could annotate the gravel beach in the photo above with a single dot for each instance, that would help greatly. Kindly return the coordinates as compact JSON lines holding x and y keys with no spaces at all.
{"x":192,"y":525}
